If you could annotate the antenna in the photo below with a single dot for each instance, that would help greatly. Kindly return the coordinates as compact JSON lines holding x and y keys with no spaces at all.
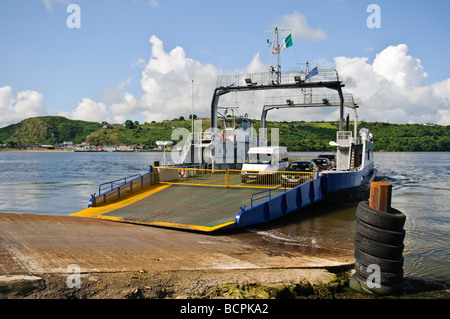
{"x":275,"y":70}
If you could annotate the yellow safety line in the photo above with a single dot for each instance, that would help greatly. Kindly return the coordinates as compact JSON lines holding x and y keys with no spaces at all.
{"x":191,"y":169}
{"x":193,"y":184}
{"x":100,"y":210}
{"x":191,"y":227}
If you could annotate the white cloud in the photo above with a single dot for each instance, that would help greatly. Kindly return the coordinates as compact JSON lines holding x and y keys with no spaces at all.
{"x":154,"y":3}
{"x":299,"y":26}
{"x":138,"y":63}
{"x":167,"y":84}
{"x":14,"y":108}
{"x":396,"y":66}
{"x":393,"y":88}
{"x":127,"y":105}
{"x":115,"y":93}
{"x":89,"y":110}
{"x":256,"y":66}
{"x":49,"y":4}
{"x":92,"y":111}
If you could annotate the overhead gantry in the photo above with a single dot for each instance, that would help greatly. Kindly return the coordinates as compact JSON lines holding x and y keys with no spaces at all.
{"x":308,"y":99}
{"x":322,"y":78}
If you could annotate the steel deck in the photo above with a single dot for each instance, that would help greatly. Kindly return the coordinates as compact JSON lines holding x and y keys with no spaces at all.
{"x":179,"y":206}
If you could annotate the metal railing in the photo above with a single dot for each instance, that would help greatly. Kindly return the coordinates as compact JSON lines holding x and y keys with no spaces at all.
{"x":232,"y":178}
{"x":265,"y":179}
{"x":193,"y":176}
{"x":269,"y":194}
{"x":314,"y":97}
{"x":126,"y":188}
{"x":265,"y":78}
{"x":106,"y":187}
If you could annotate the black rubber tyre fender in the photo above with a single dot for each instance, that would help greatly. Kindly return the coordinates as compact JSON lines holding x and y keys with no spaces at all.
{"x":386,"y":278}
{"x":380,"y":235}
{"x":378,"y":249}
{"x":386,"y":265}
{"x":393,"y":220}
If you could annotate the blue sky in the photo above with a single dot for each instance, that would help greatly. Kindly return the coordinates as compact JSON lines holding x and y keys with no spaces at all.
{"x":109,"y":70}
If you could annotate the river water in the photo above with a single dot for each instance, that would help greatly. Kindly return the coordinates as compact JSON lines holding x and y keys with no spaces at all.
{"x":60,"y":183}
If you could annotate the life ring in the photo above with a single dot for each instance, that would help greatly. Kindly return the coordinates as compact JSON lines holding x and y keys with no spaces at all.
{"x":207,"y":138}
{"x":181,"y":172}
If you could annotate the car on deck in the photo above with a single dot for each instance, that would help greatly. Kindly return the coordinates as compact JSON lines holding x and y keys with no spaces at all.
{"x":298,"y":172}
{"x":330,"y":156}
{"x":322,"y":163}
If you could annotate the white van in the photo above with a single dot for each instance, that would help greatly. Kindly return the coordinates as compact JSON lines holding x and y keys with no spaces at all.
{"x":261,"y":161}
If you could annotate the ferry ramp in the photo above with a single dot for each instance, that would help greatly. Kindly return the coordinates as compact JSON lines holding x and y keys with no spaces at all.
{"x":199,"y":200}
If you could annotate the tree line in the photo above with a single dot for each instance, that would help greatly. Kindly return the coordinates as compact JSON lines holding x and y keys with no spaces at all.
{"x":295,"y":135}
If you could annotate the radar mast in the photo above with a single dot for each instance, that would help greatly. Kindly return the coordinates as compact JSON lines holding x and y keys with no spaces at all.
{"x":275,"y":58}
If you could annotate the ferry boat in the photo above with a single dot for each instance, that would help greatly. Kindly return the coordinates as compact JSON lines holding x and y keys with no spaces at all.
{"x":205,"y":189}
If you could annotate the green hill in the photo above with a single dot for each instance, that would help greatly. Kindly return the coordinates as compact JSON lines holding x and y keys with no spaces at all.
{"x":315,"y":136}
{"x":47,"y":130}
{"x":147,"y":133}
{"x":297,"y":136}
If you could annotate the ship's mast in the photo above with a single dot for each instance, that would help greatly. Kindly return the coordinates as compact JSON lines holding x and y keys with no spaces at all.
{"x":275,"y":66}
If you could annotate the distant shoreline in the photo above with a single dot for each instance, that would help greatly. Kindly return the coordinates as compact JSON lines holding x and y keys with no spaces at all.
{"x":72,"y":151}
{"x":22,"y":150}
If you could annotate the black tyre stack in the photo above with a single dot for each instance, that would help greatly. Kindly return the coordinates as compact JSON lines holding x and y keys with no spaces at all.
{"x":378,"y":241}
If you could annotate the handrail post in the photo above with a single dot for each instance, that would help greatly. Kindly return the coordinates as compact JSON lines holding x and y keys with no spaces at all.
{"x":227,"y":178}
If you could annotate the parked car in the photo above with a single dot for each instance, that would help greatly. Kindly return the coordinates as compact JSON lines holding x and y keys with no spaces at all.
{"x":331,"y":157}
{"x":322,"y":163}
{"x":262,"y":163}
{"x":296,"y":167}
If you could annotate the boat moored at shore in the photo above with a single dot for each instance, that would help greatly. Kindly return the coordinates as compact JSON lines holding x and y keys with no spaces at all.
{"x":223,"y":161}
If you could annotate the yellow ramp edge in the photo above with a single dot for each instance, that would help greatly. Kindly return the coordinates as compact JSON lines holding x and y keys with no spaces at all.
{"x":190,"y":227}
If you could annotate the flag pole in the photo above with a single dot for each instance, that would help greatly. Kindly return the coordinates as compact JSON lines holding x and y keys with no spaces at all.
{"x":275,"y":74}
{"x":192,"y":125}
{"x":192,"y":110}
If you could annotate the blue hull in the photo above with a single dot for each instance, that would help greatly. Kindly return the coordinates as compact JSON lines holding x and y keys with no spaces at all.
{"x":345,"y":185}
{"x":283,"y":204}
{"x":339,"y":181}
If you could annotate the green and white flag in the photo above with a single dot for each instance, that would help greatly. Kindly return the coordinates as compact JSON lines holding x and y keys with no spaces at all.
{"x":285,"y":44}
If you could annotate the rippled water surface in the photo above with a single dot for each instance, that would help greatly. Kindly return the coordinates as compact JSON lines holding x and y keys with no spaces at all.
{"x":60,"y":183}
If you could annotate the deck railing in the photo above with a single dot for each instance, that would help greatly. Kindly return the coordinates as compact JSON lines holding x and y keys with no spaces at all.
{"x":105,"y":187}
{"x":232,"y":178}
{"x":199,"y":177}
{"x":267,"y":194}
{"x":116,"y":191}
{"x":265,"y":78}
{"x":192,"y":176}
